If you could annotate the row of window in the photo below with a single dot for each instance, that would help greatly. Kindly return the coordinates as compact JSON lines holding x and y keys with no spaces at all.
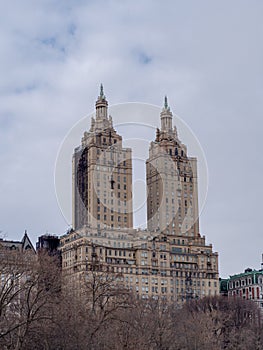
{"x":105,"y":209}
{"x":119,"y":219}
{"x":119,"y":166}
{"x":105,"y":184}
{"x":108,"y":169}
{"x":239,"y":283}
{"x":111,"y":202}
{"x":177,"y":282}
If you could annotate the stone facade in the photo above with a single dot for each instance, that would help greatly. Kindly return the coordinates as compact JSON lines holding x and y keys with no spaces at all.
{"x":157,"y":265}
{"x":169,"y":259}
{"x":102,"y":175}
{"x":172,"y":202}
{"x":23,"y":246}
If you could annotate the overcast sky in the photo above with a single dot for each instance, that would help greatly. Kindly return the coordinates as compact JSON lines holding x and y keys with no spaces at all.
{"x":205,"y":55}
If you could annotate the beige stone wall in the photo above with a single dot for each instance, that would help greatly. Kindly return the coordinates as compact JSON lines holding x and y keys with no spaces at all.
{"x":102,"y":176}
{"x":172,"y":202}
{"x":168,"y":260}
{"x":175,"y":268}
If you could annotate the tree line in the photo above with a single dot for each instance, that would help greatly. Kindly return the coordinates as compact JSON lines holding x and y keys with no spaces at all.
{"x":39,"y":311}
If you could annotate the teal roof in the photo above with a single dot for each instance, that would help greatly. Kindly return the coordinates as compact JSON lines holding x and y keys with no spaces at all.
{"x":246,"y":274}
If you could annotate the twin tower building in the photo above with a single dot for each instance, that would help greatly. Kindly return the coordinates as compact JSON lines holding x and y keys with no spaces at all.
{"x":170,"y":258}
{"x":102,"y":179}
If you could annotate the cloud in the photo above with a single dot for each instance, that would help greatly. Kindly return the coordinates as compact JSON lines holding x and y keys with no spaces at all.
{"x":206,"y":57}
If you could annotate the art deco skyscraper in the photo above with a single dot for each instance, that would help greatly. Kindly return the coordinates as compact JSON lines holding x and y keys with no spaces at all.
{"x":102,"y":175}
{"x":170,"y":260}
{"x":172,"y":202}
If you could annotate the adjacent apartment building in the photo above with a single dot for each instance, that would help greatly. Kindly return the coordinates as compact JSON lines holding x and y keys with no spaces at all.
{"x":246,"y":285}
{"x":170,"y":259}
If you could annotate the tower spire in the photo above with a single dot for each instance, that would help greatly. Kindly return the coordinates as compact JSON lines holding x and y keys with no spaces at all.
{"x":165,"y":102}
{"x":102,"y":96}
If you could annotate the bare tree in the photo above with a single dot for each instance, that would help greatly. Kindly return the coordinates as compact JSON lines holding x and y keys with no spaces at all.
{"x":221,"y":323}
{"x":39,"y":311}
{"x":30,"y":287}
{"x":103,"y":296}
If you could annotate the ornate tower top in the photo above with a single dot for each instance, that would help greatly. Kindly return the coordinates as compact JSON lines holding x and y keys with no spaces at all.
{"x":101,"y":106}
{"x":166,"y":132}
{"x":166,"y":118}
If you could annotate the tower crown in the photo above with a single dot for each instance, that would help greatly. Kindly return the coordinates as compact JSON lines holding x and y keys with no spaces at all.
{"x":166,"y":117}
{"x":101,"y":106}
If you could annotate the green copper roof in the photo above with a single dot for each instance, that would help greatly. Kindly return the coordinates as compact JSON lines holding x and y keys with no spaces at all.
{"x":245,"y":274}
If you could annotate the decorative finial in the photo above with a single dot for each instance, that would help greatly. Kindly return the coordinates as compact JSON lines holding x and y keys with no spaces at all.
{"x":92,"y":125}
{"x":101,"y":91}
{"x":165,"y":102}
{"x":157,"y":135}
{"x":110,"y":121}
